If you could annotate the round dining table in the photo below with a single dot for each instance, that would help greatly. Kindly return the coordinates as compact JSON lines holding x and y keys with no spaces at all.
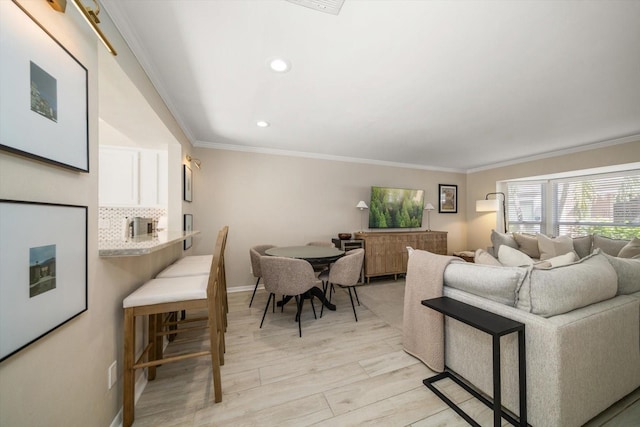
{"x":312,"y":254}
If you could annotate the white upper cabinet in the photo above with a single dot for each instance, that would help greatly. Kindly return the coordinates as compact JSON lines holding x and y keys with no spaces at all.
{"x":132,"y":177}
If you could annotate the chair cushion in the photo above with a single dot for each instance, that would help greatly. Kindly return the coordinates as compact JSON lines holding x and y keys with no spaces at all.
{"x":186,"y":269}
{"x":157,"y":291}
{"x":195,"y":258}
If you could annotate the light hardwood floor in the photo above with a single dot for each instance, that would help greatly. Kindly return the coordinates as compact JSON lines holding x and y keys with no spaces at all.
{"x":340,"y":373}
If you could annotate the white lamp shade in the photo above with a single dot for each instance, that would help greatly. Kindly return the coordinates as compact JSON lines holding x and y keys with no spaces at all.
{"x":487,"y":205}
{"x":362,"y":205}
{"x":428,"y":207}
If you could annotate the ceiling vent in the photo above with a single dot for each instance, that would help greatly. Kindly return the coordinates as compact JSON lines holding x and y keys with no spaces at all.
{"x":328,"y":6}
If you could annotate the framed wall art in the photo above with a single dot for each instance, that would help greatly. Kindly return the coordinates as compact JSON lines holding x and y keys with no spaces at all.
{"x":43,"y":108}
{"x":187,"y":183}
{"x":43,"y":270}
{"x":188,"y":226}
{"x":448,"y":198}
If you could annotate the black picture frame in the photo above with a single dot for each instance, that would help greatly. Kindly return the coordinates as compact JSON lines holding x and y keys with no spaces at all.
{"x":44,"y":105}
{"x":187,"y":184}
{"x":448,"y":198}
{"x":43,"y":270}
{"x":187,"y":227}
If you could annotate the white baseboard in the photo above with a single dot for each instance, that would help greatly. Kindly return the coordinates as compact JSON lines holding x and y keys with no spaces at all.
{"x":243,"y":288}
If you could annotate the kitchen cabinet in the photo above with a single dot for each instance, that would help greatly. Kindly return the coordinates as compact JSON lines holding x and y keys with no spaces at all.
{"x":133,"y":177}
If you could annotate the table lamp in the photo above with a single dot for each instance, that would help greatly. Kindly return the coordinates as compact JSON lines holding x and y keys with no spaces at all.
{"x":428,"y":207}
{"x":362,"y":206}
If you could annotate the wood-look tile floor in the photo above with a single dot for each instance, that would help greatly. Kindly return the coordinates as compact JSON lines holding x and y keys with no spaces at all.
{"x":340,"y":373}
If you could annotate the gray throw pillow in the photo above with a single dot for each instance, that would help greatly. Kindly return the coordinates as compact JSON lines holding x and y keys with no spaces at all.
{"x":609,"y":246}
{"x":551,"y":247}
{"x":582,"y":245}
{"x":628,"y":271}
{"x":498,"y":239}
{"x":483,"y":257}
{"x":527,"y":243}
{"x":631,"y":249}
{"x":563,"y":289}
{"x":498,"y":284}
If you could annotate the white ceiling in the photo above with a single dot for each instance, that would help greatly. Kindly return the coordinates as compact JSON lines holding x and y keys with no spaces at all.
{"x":452,"y":85}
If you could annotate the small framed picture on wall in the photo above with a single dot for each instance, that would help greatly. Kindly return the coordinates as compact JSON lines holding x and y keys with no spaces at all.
{"x":448,"y":198}
{"x":188,"y":185}
{"x":188,"y":226}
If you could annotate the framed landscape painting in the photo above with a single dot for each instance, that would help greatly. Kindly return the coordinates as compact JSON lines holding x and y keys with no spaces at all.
{"x":43,"y":270}
{"x":43,"y":107}
{"x":448,"y":198}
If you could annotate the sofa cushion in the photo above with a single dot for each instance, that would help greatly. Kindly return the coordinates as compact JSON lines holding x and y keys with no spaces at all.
{"x":483,"y":257}
{"x":552,"y":247}
{"x":498,"y":239}
{"x":631,"y":249}
{"x":628,"y":271}
{"x":563,"y":289}
{"x":608,"y":246}
{"x":513,"y":257}
{"x":582,"y":245}
{"x":499,"y":284}
{"x":527,"y":243}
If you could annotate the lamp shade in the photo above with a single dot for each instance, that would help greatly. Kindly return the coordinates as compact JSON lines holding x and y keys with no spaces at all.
{"x":487,"y":205}
{"x":428,"y":207}
{"x":362,"y":205}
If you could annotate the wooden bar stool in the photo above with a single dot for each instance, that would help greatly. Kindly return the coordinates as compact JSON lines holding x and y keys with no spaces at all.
{"x":164,"y":295}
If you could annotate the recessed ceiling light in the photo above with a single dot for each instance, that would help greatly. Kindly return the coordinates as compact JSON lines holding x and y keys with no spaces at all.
{"x":279,"y":65}
{"x":262,"y":124}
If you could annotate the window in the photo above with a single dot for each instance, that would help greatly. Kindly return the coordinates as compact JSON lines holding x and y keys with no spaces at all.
{"x":605,"y":204}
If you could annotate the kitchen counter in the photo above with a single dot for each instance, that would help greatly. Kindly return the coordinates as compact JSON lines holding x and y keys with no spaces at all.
{"x":143,"y":244}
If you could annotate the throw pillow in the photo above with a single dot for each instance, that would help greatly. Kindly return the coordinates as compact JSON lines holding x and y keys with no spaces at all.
{"x":566,"y":259}
{"x":563,"y":289}
{"x":628,"y":271}
{"x":528,"y":243}
{"x":609,"y":246}
{"x":582,"y":245}
{"x":483,"y":257}
{"x":552,"y":247}
{"x":513,"y":257}
{"x":499,"y":239}
{"x":631,"y":249}
{"x":499,"y":284}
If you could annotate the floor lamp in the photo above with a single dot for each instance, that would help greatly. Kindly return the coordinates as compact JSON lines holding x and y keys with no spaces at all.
{"x":362,"y":206}
{"x":491,"y":205}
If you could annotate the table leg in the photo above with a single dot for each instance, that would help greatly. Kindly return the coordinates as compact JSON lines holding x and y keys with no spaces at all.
{"x":497,"y":392}
{"x":522,"y":377}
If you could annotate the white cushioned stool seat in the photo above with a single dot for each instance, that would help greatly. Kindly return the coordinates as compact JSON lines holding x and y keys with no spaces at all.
{"x":195,"y":258}
{"x":157,"y":291}
{"x":186,"y":269}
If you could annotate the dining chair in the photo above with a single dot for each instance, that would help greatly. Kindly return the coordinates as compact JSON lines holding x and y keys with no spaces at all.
{"x":345,"y":272}
{"x":288,"y":276}
{"x":255,"y":253}
{"x":159,"y":296}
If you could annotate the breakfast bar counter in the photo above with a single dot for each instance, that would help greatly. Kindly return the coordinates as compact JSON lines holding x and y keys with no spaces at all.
{"x":143,"y":244}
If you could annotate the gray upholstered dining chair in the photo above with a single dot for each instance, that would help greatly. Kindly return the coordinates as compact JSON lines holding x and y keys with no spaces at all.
{"x":345,"y":272}
{"x":256,"y":253}
{"x":288,"y":276}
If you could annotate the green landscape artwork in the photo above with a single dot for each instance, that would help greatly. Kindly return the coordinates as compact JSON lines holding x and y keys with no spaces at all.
{"x":396,"y":208}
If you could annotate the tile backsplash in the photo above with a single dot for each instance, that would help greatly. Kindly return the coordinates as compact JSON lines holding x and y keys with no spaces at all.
{"x":111,"y":220}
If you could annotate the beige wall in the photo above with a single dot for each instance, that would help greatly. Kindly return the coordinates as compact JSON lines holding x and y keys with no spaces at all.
{"x":61,"y":379}
{"x":285,"y":200}
{"x":480,"y":183}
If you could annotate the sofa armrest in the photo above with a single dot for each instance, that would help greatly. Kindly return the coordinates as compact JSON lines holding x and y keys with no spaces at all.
{"x":578,"y":363}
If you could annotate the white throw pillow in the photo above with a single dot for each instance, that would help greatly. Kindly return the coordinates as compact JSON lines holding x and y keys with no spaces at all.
{"x":513,"y":257}
{"x":552,"y":247}
{"x":565,"y":259}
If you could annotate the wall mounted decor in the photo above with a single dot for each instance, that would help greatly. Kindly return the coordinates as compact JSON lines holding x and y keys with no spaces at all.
{"x":448,"y":198}
{"x":43,"y":270}
{"x":188,"y":226}
{"x":43,"y":108}
{"x":187,"y":183}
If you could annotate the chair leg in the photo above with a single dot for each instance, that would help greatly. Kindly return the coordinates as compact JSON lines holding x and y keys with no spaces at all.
{"x":356,"y":292}
{"x":352,"y":305}
{"x":153,"y":340}
{"x":254,"y":292}
{"x":266,"y":307}
{"x":128,"y":374}
{"x":314,"y":308}
{"x":216,"y":334}
{"x":299,"y":303}
{"x":325,"y":285}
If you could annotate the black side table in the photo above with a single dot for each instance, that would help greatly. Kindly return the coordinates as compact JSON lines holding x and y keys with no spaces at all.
{"x":496,"y":326}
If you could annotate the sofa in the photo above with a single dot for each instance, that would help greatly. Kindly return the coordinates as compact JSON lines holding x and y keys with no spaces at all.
{"x":582,"y":328}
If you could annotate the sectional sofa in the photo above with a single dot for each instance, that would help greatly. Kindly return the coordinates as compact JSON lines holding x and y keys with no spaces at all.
{"x":582,"y":322}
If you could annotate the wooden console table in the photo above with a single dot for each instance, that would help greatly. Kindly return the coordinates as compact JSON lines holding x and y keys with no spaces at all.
{"x":385,"y":253}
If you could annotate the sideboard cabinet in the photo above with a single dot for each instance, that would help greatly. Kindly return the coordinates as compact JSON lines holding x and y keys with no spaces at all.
{"x":386,"y":252}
